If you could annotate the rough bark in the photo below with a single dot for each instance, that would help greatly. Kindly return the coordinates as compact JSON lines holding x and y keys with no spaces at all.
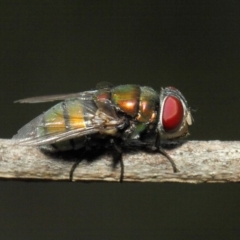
{"x":198,"y":161}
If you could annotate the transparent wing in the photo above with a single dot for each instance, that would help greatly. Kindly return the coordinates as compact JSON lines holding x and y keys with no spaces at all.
{"x":70,"y":119}
{"x":52,"y":138}
{"x":58,"y":97}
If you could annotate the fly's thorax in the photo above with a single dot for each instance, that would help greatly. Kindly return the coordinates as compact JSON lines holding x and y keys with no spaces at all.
{"x":175,"y":116}
{"x":130,"y":103}
{"x":140,"y":103}
{"x":148,"y":106}
{"x":126,"y":98}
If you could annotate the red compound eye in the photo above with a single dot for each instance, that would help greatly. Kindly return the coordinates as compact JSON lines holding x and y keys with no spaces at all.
{"x":172,"y":114}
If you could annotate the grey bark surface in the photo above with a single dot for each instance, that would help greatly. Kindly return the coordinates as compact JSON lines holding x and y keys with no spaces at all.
{"x":197,"y":161}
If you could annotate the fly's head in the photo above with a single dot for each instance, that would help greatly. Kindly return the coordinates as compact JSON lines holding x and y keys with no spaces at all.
{"x":175,"y":115}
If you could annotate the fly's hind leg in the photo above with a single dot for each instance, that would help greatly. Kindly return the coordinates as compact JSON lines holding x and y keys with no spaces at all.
{"x":118,"y":149}
{"x":74,"y":166}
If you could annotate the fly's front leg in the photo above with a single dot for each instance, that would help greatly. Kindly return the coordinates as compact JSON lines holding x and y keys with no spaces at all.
{"x":163,"y":152}
{"x":119,"y":159}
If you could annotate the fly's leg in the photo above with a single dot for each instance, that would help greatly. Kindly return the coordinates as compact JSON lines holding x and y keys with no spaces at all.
{"x":118,"y":149}
{"x":74,"y":166}
{"x":163,"y":152}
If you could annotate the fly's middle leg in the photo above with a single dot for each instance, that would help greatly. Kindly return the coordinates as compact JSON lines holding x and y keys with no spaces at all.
{"x":119,"y":158}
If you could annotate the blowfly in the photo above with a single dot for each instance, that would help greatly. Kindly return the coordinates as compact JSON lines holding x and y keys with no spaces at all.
{"x":121,"y":116}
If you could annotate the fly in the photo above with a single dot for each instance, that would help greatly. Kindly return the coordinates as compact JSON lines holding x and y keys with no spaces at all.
{"x":123,"y":116}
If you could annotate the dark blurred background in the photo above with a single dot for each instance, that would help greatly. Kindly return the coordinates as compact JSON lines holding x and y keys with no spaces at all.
{"x":50,"y":47}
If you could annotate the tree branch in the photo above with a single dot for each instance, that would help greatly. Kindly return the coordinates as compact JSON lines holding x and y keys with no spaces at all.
{"x":198,"y":161}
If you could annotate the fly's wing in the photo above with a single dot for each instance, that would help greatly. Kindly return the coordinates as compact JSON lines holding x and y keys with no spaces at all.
{"x":67,"y":120}
{"x":41,"y":99}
